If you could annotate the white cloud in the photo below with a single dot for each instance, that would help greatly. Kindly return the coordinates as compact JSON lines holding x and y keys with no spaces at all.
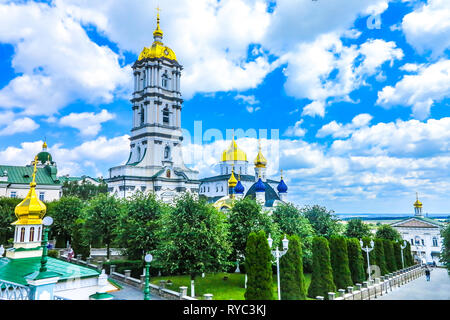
{"x":19,"y":125}
{"x":250,"y":100}
{"x":429,"y":84}
{"x":89,"y":123}
{"x":338,"y":130}
{"x":296,"y":130}
{"x":56,"y":60}
{"x":428,"y":27}
{"x":326,"y":70}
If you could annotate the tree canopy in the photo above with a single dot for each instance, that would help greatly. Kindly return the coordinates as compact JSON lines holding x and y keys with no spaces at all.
{"x":323,"y":221}
{"x":385,"y":231}
{"x":356,"y":228}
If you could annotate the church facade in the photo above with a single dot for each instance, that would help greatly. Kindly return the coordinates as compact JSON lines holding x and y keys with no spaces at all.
{"x":423,"y":234}
{"x":155,"y":163}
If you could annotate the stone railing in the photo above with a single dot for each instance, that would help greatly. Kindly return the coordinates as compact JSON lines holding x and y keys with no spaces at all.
{"x":160,"y":291}
{"x":379,"y":286}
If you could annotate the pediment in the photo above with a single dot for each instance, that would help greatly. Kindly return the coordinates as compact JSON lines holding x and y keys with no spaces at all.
{"x":414,"y":223}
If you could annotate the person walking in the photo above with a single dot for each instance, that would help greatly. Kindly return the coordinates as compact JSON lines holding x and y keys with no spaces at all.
{"x":427,"y":273}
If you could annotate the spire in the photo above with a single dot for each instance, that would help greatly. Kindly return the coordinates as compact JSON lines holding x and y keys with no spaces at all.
{"x":31,"y":210}
{"x":417,"y":206}
{"x":157,"y":34}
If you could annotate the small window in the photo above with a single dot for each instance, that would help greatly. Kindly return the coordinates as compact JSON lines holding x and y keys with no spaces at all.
{"x":22,"y":235}
{"x":165,"y":80}
{"x":39,"y":234}
{"x":42,"y":196}
{"x":142,"y":116}
{"x":435,"y":242}
{"x":166,"y":115}
{"x":423,"y":242}
{"x":412,"y":241}
{"x":167,"y":152}
{"x":13,"y":194}
{"x":31,"y":234}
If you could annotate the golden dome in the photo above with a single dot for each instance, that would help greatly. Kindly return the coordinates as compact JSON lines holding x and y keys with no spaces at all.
{"x":44,"y":146}
{"x":233,"y":153}
{"x":260,"y":161}
{"x":31,"y":210}
{"x":417,"y":204}
{"x":157,"y":50}
{"x":232,"y":182}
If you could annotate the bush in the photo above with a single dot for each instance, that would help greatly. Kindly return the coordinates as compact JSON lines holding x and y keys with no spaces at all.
{"x":379,"y":256}
{"x":322,"y":276}
{"x":391,"y":263}
{"x":339,"y":262}
{"x":136,"y":267}
{"x":258,"y":263}
{"x":53,"y":253}
{"x":356,"y":260}
{"x":292,"y":280}
{"x":398,"y":254}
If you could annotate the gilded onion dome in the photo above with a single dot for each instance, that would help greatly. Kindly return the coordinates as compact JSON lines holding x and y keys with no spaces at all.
{"x":157,"y":50}
{"x":260,"y":160}
{"x":233,"y":153}
{"x":31,"y":210}
{"x":232,"y":182}
{"x":44,"y":155}
{"x":417,"y":204}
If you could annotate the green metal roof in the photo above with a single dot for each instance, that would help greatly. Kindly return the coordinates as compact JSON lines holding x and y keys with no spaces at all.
{"x":23,"y":175}
{"x":15,"y":270}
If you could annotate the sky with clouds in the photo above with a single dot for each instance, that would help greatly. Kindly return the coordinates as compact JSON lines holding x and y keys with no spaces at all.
{"x":350,"y":98}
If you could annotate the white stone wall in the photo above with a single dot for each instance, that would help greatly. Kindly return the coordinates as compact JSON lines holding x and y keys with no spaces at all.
{"x":50,"y":192}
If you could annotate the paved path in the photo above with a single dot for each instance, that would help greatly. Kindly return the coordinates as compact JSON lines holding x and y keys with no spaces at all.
{"x":131,"y":293}
{"x":438,"y":288}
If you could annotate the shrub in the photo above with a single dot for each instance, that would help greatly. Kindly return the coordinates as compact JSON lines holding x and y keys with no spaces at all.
{"x":356,"y":260}
{"x":322,"y":276}
{"x":339,"y":262}
{"x":379,"y":256}
{"x":258,"y":263}
{"x":292,"y":280}
{"x":53,"y":253}
{"x":391,"y":263}
{"x":398,"y":255}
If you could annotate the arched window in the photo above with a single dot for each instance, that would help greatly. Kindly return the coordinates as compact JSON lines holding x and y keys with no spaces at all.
{"x":166,"y":114}
{"x":39,"y":234}
{"x":31,"y":234}
{"x":417,"y":240}
{"x":167,"y":152}
{"x":138,"y":153}
{"x":144,"y":79}
{"x":142,"y":116}
{"x":165,"y":80}
{"x":435,"y":242}
{"x":22,"y":235}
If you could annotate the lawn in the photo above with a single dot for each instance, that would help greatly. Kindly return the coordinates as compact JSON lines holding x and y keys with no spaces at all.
{"x":230,"y":289}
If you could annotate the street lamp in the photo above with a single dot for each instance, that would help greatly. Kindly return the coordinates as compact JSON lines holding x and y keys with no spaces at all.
{"x":403,"y":246}
{"x":148,"y":258}
{"x":278,"y":254}
{"x":367,"y":250}
{"x":47,"y":222}
{"x":2,"y":251}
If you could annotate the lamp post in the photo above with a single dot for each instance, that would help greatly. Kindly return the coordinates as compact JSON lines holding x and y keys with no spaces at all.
{"x":47,"y":222}
{"x":403,"y":246}
{"x":367,"y":250}
{"x":2,"y":251}
{"x":148,"y":258}
{"x":278,"y":254}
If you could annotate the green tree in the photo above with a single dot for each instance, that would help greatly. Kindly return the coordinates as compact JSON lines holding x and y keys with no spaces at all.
{"x":356,"y":260}
{"x":195,"y":238}
{"x":380,"y":259}
{"x":409,"y":260}
{"x":258,"y":265}
{"x":323,"y":221}
{"x":385,"y":231}
{"x":445,"y":253}
{"x":391,"y":263}
{"x":84,"y":190}
{"x":139,"y":224}
{"x":102,"y":216}
{"x":322,"y":276}
{"x":246,"y":217}
{"x":80,"y":238}
{"x":292,"y":280}
{"x":7,"y":216}
{"x":65,"y":212}
{"x":356,"y":228}
{"x":339,"y":262}
{"x":291,"y":221}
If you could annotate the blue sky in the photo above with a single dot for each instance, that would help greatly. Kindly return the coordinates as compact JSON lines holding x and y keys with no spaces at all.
{"x":358,"y":91}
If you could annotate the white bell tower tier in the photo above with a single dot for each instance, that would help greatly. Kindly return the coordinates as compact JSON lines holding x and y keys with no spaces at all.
{"x":155,"y":163}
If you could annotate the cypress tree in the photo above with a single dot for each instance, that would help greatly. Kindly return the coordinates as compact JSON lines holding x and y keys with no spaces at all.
{"x":398,"y":255}
{"x":322,"y":275}
{"x":409,"y":260}
{"x":292,"y":280}
{"x":379,"y":256}
{"x":391,"y":263}
{"x":356,"y":260}
{"x":258,"y":265}
{"x":339,"y":262}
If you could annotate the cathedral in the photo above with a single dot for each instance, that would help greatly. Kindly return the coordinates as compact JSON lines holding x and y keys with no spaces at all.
{"x":155,"y":163}
{"x":223,"y":189}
